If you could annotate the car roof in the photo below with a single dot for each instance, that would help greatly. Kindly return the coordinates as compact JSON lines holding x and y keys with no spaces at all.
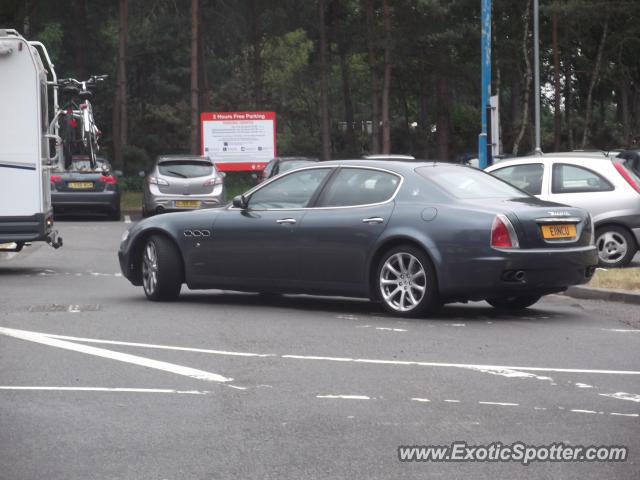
{"x":574,"y":157}
{"x":388,"y":156}
{"x":296,"y":159}
{"x":399,"y":166}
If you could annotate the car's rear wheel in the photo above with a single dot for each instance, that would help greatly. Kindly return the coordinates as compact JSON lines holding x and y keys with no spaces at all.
{"x":616,"y":246}
{"x":513,"y":303}
{"x":161,"y":269}
{"x":406,"y":282}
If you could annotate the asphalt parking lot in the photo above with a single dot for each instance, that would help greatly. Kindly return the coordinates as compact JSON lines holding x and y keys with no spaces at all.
{"x":98,"y":382}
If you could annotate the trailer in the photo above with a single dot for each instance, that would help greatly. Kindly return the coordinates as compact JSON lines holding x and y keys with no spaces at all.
{"x":26,"y":132}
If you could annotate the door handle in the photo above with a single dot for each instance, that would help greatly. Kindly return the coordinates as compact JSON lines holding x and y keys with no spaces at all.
{"x":373,"y":220}
{"x":286,"y":221}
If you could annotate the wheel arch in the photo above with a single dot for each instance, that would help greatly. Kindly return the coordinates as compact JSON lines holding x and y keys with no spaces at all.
{"x":613,"y":223}
{"x":135,"y":258}
{"x":392,"y":242}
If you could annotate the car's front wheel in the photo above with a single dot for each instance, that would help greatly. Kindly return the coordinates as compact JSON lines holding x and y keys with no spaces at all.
{"x":406,"y":282}
{"x":513,"y":303}
{"x":161,"y":269}
{"x":616,"y":246}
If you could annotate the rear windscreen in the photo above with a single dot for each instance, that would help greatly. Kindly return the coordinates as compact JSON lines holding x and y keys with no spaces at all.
{"x":185,"y":168}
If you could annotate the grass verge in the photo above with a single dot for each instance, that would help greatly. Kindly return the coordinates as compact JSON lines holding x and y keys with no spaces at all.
{"x":617,"y":278}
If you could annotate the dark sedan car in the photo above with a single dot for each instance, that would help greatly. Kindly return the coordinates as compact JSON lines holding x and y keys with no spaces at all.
{"x":86,"y":188}
{"x":411,"y":235}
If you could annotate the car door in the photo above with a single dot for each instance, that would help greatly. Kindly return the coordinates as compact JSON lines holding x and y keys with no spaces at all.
{"x":257,"y":247}
{"x":579,"y":186}
{"x":338,"y":234}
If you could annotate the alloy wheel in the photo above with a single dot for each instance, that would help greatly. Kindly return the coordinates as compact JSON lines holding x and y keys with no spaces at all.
{"x":403,"y":282}
{"x":150,"y":269}
{"x":612,"y":246}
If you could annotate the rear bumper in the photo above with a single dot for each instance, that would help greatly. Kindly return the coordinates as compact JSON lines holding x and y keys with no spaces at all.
{"x":32,"y":228}
{"x":167,"y":203}
{"x":545,"y":271}
{"x":89,"y":200}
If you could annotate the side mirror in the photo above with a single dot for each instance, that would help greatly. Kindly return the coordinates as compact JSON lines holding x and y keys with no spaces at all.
{"x":239,"y":201}
{"x":222,"y":174}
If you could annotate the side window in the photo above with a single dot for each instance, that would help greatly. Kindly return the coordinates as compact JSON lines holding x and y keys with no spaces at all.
{"x":527,"y":177}
{"x":359,"y":186}
{"x":574,"y":179}
{"x":291,"y":191}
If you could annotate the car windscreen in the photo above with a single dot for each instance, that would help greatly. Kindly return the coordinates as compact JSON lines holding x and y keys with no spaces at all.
{"x":185,"y":168}
{"x":469,"y":183}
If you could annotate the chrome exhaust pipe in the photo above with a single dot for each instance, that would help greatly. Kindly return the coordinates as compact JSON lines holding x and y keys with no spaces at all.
{"x":518,"y":276}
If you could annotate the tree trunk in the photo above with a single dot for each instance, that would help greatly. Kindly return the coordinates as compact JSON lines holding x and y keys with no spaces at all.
{"x":203,"y":79}
{"x":195,"y":111}
{"x":594,"y":79}
{"x":386,"y":85}
{"x":556,"y":81}
{"x":79,"y":35}
{"x":120,"y":101}
{"x":527,"y":83}
{"x":256,"y":51}
{"x":324,"y":87}
{"x":625,"y":112}
{"x":375,"y":100}
{"x":442,"y":117}
{"x":568,"y":101}
{"x":350,"y":134}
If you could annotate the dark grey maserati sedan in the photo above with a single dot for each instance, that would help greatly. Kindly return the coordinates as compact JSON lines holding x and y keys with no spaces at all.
{"x":412,"y":235}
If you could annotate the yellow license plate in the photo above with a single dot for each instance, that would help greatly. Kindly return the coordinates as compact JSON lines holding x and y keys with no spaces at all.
{"x":188,"y":203}
{"x":80,"y":185}
{"x":559,"y":231}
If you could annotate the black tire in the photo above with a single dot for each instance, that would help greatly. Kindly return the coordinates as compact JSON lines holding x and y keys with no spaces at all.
{"x":513,"y":303}
{"x":397,"y":292}
{"x":168,"y":269}
{"x":610,"y":241}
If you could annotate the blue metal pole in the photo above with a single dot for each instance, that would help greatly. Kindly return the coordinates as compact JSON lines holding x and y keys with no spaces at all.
{"x":486,"y":81}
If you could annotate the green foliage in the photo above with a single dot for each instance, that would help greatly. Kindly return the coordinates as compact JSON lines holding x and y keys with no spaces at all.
{"x":272,"y":46}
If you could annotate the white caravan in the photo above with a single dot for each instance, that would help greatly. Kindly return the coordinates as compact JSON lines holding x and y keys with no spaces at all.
{"x":25,"y":199}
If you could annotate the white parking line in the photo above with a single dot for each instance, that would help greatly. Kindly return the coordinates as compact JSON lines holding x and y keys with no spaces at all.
{"x":105,"y":389}
{"x":476,"y":367}
{"x":127,"y":219}
{"x":345,"y":397}
{"x":622,"y":396}
{"x":122,"y":357}
{"x":502,"y":404}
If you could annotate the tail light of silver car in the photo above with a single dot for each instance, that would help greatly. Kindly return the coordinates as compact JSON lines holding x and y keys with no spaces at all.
{"x":109,"y":179}
{"x":158,"y":181}
{"x":503,"y":235}
{"x":213,"y":181}
{"x":629,"y":176}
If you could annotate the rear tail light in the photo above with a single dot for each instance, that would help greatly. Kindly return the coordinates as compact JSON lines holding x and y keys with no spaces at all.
{"x":56,"y":178}
{"x":157,"y":181}
{"x":213,"y":181}
{"x":110,"y":179}
{"x":503,"y":235}
{"x":628,"y":176}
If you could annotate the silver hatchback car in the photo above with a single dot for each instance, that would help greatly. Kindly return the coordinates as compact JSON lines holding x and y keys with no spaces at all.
{"x":182,"y":182}
{"x":607,"y":188}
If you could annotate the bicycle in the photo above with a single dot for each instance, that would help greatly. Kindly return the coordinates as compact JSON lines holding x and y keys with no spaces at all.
{"x":78,"y":129}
